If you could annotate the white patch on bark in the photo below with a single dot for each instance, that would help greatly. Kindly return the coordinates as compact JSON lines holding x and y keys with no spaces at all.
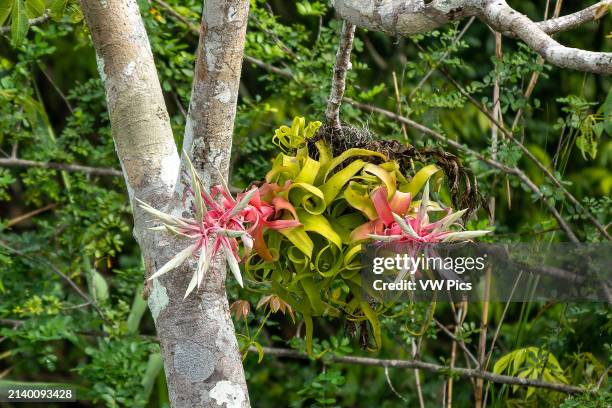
{"x":228,"y":393}
{"x":104,"y":3}
{"x":169,"y":168}
{"x":129,"y":69}
{"x":188,"y":137}
{"x":223,"y":93}
{"x":186,"y":353}
{"x":211,"y":58}
{"x":100,"y":65}
{"x":231,"y":14}
{"x":158,"y":300}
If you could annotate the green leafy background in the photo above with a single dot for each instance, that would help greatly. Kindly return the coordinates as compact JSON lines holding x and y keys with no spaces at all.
{"x":52,"y":109}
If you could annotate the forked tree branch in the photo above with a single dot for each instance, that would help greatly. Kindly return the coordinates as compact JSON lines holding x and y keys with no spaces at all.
{"x":499,"y":15}
{"x":201,"y":357}
{"x":341,"y":67}
{"x":408,"y":17}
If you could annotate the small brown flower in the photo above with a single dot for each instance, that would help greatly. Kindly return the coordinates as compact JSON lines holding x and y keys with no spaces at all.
{"x":241,"y":308}
{"x":276,"y":304}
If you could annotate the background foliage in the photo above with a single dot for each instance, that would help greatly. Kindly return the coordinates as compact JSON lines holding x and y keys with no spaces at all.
{"x":52,"y":109}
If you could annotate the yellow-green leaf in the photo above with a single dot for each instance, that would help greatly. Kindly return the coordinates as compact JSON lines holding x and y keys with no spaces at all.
{"x":298,"y":237}
{"x":347,"y":155}
{"x":420,"y":178}
{"x":334,"y":185}
{"x":319,"y":224}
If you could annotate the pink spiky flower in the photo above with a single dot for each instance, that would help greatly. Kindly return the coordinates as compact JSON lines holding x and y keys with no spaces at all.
{"x":394,"y":224}
{"x":220,"y":221}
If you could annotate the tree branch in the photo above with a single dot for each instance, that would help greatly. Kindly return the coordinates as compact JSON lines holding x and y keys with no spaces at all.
{"x":408,"y":17}
{"x":508,"y":134}
{"x":96,"y":171}
{"x":503,"y":18}
{"x":461,"y":372}
{"x":341,"y":67}
{"x":571,"y":21}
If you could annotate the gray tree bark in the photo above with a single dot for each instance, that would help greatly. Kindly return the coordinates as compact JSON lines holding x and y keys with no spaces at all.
{"x":408,"y":17}
{"x":201,"y":358}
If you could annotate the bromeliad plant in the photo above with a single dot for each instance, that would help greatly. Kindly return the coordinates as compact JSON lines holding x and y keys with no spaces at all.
{"x":219,"y":220}
{"x":308,"y":222}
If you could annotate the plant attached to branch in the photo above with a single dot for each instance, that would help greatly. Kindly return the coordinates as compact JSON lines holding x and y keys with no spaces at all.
{"x":219,"y":220}
{"x":321,"y":201}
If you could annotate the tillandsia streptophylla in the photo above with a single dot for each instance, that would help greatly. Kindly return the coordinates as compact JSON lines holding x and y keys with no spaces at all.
{"x":220,"y":220}
{"x":403,"y":227}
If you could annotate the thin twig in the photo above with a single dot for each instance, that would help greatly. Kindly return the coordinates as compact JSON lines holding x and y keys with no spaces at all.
{"x":96,"y":171}
{"x":497,"y":330}
{"x":191,"y":25}
{"x":341,"y":67}
{"x":443,"y":58}
{"x":603,"y":376}
{"x":416,"y":347}
{"x":461,"y":372}
{"x":43,"y":69}
{"x":31,"y":22}
{"x":531,"y":156}
{"x":456,"y":340}
{"x":62,"y":275}
{"x":400,"y":396}
{"x":398,"y":102}
{"x":536,"y":74}
{"x":29,"y":215}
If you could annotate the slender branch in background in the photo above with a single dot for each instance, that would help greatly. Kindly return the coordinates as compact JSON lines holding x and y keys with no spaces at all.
{"x":400,"y":396}
{"x":33,"y":21}
{"x":185,"y":20}
{"x":57,"y":89}
{"x":482,"y":339}
{"x":484,"y":320}
{"x":497,"y":330}
{"x":269,"y":67}
{"x":500,"y":166}
{"x":459,"y":316}
{"x":341,"y":67}
{"x":95,"y":171}
{"x":376,"y":57}
{"x":536,"y":74}
{"x":443,"y":58}
{"x":416,"y":347}
{"x":398,"y":102}
{"x":196,"y":31}
{"x":62,"y":275}
{"x":29,"y":215}
{"x":508,"y":134}
{"x":458,"y":371}
{"x":453,"y":337}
